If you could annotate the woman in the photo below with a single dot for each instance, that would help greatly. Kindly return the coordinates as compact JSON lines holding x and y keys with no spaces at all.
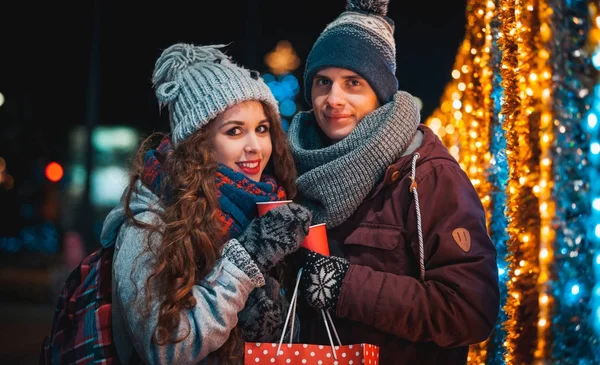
{"x":189,"y":251}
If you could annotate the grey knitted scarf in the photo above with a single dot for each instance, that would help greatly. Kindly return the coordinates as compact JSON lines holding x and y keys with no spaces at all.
{"x":334,"y":179}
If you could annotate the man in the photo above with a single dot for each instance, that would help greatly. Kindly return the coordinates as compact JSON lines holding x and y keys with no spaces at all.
{"x":413,"y":269}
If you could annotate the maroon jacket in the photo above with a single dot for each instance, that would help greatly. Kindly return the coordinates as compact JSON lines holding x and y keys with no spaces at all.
{"x":382,"y":300}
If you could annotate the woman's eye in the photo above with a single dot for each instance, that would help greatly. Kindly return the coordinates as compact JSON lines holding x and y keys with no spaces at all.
{"x":262,"y":128}
{"x":234,"y":131}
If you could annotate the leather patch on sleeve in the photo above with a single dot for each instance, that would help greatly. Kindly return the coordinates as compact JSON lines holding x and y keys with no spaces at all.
{"x":462,"y":238}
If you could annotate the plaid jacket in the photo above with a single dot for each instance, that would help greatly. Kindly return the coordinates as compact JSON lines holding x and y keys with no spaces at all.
{"x":81,"y":327}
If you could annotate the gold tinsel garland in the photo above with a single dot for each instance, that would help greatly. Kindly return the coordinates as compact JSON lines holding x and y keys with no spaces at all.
{"x":524,"y":222}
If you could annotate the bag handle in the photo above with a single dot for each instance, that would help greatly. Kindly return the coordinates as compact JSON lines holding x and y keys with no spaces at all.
{"x":292,"y":313}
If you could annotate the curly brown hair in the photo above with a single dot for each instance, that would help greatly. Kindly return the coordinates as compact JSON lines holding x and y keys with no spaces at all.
{"x":192,"y":234}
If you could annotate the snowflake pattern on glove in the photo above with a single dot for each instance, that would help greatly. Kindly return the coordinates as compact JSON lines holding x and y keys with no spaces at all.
{"x":321,"y":280}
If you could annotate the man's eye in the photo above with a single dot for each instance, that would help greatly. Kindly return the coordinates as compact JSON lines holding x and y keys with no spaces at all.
{"x":322,"y":82}
{"x":355,"y":83}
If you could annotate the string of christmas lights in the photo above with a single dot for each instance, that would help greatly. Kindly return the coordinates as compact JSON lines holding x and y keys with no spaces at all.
{"x":590,"y":123}
{"x":574,"y":340}
{"x":518,"y":117}
{"x":541,"y":83}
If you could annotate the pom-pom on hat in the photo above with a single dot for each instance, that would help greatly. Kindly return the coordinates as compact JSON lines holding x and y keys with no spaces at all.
{"x":361,"y":39}
{"x":198,"y":83}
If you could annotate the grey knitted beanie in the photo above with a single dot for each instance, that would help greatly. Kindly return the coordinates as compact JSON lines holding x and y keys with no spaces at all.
{"x":361,"y":39}
{"x":200,"y":82}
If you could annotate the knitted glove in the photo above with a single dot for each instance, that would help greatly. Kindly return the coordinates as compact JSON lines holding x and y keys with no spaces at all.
{"x":268,"y":239}
{"x":263,"y":317}
{"x":321,"y":280}
{"x":238,"y":255}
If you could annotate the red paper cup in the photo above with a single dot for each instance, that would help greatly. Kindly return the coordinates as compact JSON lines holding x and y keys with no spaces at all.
{"x":316,"y":240}
{"x":264,"y":207}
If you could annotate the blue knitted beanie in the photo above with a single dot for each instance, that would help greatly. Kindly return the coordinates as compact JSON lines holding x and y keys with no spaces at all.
{"x":361,"y":39}
{"x":200,"y":82}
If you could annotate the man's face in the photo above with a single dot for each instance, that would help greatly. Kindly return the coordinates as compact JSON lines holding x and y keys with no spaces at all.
{"x":340,"y":99}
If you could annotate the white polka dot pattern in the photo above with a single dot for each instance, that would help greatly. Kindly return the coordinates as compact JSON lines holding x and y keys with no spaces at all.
{"x":265,"y":353}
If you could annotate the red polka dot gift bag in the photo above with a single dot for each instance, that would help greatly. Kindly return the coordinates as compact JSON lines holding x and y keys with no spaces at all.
{"x":266,"y":353}
{"x":307,"y":354}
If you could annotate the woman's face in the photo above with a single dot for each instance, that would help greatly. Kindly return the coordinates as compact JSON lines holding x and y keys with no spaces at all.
{"x":243,"y":139}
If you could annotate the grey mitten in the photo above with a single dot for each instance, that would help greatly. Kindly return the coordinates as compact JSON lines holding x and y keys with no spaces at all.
{"x":321,"y":280}
{"x":263,"y":317}
{"x":268,"y":239}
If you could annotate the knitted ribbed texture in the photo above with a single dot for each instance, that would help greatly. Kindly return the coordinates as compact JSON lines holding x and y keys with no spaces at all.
{"x":360,"y":39}
{"x":333,"y":180}
{"x":238,"y":255}
{"x":199,"y":83}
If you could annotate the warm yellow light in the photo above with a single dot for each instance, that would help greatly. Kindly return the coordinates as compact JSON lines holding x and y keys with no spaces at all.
{"x":435,"y":123}
{"x":546,"y":93}
{"x":533,"y":76}
{"x":454,"y":151}
{"x":462,"y":86}
{"x":542,"y":322}
{"x":442,"y":132}
{"x":455,"y":74}
{"x":544,"y":299}
{"x":526,"y":238}
{"x":536,"y":189}
{"x":544,"y":253}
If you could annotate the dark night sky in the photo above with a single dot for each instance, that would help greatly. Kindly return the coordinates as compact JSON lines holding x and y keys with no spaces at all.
{"x":46,"y":50}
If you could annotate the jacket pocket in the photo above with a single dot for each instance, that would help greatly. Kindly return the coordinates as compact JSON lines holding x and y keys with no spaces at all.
{"x":381,"y":236}
{"x":381,"y":247}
